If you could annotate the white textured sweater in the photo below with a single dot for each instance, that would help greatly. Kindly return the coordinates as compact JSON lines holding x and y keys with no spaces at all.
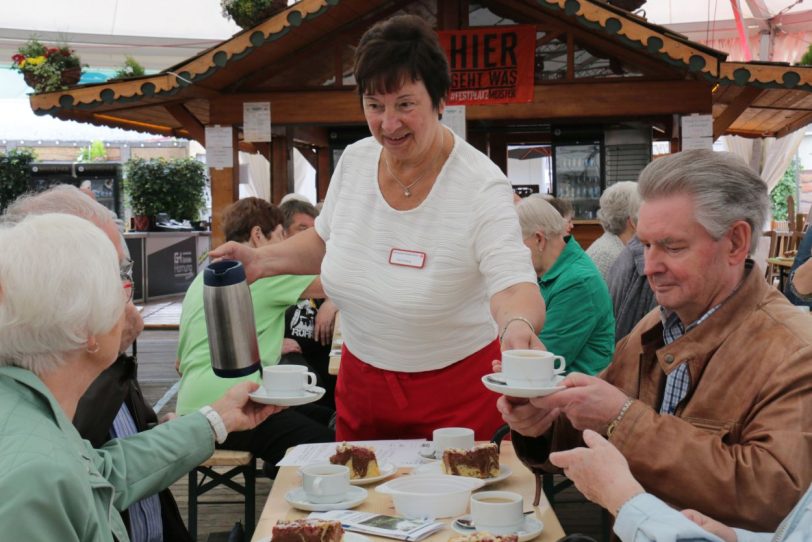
{"x":407,"y":319}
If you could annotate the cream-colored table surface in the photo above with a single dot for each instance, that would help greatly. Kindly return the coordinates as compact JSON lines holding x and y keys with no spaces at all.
{"x":521,"y":481}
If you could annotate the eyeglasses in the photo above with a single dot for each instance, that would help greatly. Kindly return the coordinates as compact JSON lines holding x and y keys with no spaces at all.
{"x":125,"y":269}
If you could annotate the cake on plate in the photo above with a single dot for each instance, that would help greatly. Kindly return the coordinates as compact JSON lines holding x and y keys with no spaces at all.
{"x":481,"y":461}
{"x":361,"y":460}
{"x":484,"y":536}
{"x":307,"y":530}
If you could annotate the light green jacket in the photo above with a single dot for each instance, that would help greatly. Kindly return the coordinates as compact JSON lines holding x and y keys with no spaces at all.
{"x":55,"y":486}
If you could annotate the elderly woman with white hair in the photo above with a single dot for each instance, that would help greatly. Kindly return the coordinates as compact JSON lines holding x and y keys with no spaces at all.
{"x":618,"y":215}
{"x":580,"y":324}
{"x":60,"y":290}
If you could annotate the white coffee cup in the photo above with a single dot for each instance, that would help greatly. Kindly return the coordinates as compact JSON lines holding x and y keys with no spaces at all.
{"x":452,"y":437}
{"x":498,"y":512}
{"x":325,"y":484}
{"x":287,"y":379}
{"x":531,"y":368}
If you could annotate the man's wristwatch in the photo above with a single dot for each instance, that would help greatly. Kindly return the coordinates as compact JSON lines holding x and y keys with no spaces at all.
{"x":216,"y":422}
{"x":614,"y":423}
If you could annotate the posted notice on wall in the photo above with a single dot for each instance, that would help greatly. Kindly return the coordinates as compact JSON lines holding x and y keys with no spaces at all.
{"x":219,"y":147}
{"x":697,"y":132}
{"x":454,"y":118}
{"x":490,"y":65}
{"x":256,"y":121}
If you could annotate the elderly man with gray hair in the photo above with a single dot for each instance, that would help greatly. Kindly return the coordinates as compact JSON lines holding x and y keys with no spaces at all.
{"x":617,"y":215}
{"x":709,"y":397}
{"x":580,"y":325}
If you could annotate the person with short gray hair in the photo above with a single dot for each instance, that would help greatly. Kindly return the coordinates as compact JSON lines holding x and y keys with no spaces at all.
{"x":580,"y":325}
{"x":617,"y":214}
{"x":61,"y":318}
{"x":298,"y":216}
{"x":708,"y":397}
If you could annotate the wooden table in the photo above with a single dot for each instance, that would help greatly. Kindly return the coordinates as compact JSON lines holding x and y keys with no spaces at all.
{"x":783,"y":265}
{"x":521,"y":481}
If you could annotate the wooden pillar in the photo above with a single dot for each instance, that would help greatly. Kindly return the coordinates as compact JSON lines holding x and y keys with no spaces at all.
{"x":497,"y":150}
{"x":225,"y":190}
{"x":281,"y":164}
{"x":322,"y":172}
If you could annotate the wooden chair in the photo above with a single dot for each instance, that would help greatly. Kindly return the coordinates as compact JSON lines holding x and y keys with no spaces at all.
{"x":241,"y":463}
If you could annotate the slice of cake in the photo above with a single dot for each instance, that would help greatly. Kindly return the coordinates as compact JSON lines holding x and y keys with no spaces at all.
{"x":483,"y":536}
{"x":307,"y":530}
{"x":360,"y":460}
{"x":481,"y":461}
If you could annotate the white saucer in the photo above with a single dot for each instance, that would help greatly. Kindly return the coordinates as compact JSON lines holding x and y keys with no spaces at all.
{"x":494,"y":383}
{"x":427,"y":451}
{"x":348,"y":537}
{"x":297,"y":499}
{"x":307,"y":395}
{"x":437,"y":468}
{"x":386,"y":471}
{"x":531,"y":529}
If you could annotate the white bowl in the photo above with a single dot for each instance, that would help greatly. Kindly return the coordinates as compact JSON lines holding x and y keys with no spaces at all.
{"x":431,"y":495}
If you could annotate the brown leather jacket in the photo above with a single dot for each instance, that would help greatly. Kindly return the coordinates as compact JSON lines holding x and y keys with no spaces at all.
{"x":739,"y":447}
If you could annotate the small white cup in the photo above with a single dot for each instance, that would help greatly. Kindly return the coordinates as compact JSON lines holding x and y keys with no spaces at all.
{"x":287,"y":379}
{"x":452,"y":437}
{"x":498,"y":512}
{"x":531,"y":367}
{"x":325,"y":484}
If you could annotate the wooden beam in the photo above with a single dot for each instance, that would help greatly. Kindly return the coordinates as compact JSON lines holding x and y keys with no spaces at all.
{"x":452,"y":14}
{"x":795,"y":125}
{"x":323,"y":173}
{"x":188,"y":121}
{"x":281,"y":166}
{"x":735,"y":108}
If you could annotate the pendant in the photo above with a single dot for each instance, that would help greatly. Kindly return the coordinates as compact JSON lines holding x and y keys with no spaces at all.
{"x":407,"y":192}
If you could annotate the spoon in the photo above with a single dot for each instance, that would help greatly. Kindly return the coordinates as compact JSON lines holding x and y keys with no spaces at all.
{"x":466,"y":522}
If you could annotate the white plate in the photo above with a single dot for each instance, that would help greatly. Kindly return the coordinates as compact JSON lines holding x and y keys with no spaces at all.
{"x":386,"y":471}
{"x":298,"y":499}
{"x":531,"y":529}
{"x":437,"y":468}
{"x":348,"y":537}
{"x":494,"y":383}
{"x":306,"y":396}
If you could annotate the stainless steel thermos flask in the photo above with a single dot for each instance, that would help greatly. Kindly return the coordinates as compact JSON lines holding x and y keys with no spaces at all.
{"x":230,"y":320}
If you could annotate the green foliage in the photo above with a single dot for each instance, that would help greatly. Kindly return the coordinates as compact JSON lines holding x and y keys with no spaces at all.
{"x":95,"y":151}
{"x":174,"y":187}
{"x":131,"y":68}
{"x":249,"y":13}
{"x":14,"y":175}
{"x":806,"y":60}
{"x":787,"y":186}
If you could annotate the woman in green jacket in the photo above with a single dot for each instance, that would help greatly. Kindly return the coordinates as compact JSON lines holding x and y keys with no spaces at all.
{"x":61,"y":315}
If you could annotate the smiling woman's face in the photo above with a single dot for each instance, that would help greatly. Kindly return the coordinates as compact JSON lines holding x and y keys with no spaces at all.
{"x":403,"y":121}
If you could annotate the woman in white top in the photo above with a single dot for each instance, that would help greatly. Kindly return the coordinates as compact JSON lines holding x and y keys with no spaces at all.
{"x":419,"y":246}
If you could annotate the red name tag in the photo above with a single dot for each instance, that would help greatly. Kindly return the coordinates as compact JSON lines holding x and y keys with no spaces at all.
{"x":407,"y":258}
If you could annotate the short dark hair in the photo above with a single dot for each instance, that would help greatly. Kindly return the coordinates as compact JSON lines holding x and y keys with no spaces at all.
{"x":564,"y":207}
{"x":293,"y":207}
{"x":244,"y":214}
{"x":401,"y":47}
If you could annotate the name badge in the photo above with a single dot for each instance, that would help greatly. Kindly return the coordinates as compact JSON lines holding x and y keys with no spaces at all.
{"x":407,"y":258}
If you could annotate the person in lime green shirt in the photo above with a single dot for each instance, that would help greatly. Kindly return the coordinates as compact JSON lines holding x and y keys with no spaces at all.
{"x":254,"y":222}
{"x":580,"y":321}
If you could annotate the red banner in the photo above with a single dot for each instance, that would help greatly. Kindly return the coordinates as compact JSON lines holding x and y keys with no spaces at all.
{"x":492,"y":65}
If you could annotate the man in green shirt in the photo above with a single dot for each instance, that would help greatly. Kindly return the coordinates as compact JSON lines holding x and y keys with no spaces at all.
{"x":580,"y":324}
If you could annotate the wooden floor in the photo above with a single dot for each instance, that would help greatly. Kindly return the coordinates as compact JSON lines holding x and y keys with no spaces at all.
{"x":156,"y":349}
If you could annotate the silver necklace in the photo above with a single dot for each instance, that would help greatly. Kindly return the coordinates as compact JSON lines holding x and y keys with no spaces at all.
{"x":407,"y":189}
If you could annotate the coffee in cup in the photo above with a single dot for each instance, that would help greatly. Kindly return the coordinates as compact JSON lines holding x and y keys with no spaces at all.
{"x":287,"y":379}
{"x":531,"y":368}
{"x":498,"y":512}
{"x":325,"y":484}
{"x":452,"y":437}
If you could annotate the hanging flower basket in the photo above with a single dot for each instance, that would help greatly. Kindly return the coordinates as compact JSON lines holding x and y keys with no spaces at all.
{"x":70,"y":76}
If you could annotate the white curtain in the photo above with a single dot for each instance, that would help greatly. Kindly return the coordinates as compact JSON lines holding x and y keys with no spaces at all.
{"x":304,"y":176}
{"x":776,"y":153}
{"x":255,"y":176}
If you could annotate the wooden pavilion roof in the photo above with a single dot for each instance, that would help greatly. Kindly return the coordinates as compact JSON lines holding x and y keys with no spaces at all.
{"x":749,"y":99}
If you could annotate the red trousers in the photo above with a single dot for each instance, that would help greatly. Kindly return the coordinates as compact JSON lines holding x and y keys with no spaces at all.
{"x":373,"y":404}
